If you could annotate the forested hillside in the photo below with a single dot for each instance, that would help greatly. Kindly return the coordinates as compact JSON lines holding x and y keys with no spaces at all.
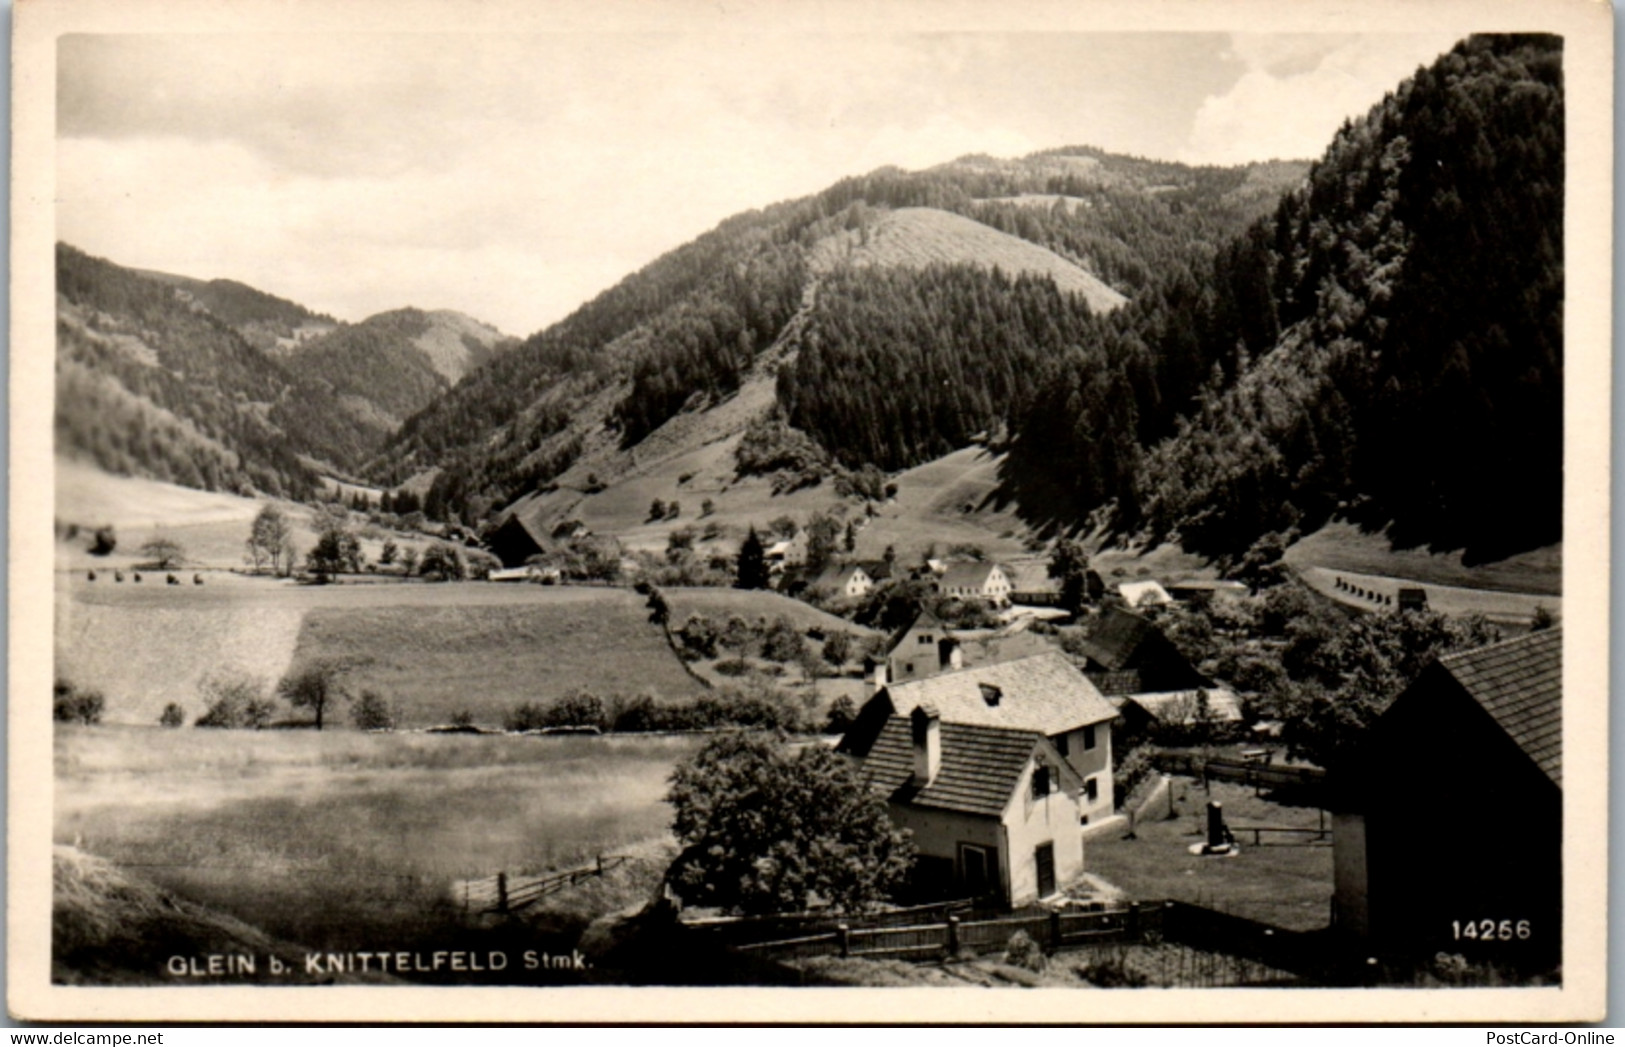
{"x":264,"y":320}
{"x":684,"y":332}
{"x":151,"y":383}
{"x":393,"y":364}
{"x":1387,"y":345}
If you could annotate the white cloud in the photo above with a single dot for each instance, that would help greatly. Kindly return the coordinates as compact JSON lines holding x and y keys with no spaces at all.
{"x":1296,"y":91}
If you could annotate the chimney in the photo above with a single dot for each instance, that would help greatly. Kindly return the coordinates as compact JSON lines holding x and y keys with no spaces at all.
{"x":926,"y":726}
{"x":991,"y":694}
{"x":948,"y":656}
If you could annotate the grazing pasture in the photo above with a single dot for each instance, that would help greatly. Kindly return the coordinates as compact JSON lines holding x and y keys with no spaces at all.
{"x":432,"y":648}
{"x":344,"y":840}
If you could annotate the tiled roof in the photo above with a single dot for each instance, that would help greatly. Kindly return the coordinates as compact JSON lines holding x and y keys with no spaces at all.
{"x":1042,"y":693}
{"x":839,"y":574}
{"x":1181,"y":706}
{"x":1519,"y":682}
{"x":966,"y":575}
{"x":924,"y":618}
{"x":981,"y":766}
{"x":1115,"y":639}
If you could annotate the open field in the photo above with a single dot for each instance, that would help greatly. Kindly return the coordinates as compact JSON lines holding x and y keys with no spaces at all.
{"x":210,"y":526}
{"x":434,"y":648}
{"x":345,"y":840}
{"x":1343,"y":547}
{"x":1286,"y":883}
{"x":751,"y":604}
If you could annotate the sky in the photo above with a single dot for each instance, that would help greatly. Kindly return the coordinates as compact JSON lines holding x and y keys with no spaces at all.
{"x":513,"y":177}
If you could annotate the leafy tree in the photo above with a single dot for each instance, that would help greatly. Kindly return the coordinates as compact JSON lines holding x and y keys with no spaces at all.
{"x":165,"y":553}
{"x":838,"y":648}
{"x":233,"y":698}
{"x":679,"y":544}
{"x":315,"y":686}
{"x":699,"y":636}
{"x":172,"y":716}
{"x":371,"y":712}
{"x":104,"y":541}
{"x":842,"y":711}
{"x":674,"y":509}
{"x":72,"y":704}
{"x":751,"y":571}
{"x":337,"y":549}
{"x":849,"y":540}
{"x":1069,"y":563}
{"x":764,"y":829}
{"x":409,"y":559}
{"x":657,"y":510}
{"x":784,"y":527}
{"x":441,"y":563}
{"x":822,"y":533}
{"x":387,"y":554}
{"x":269,"y":537}
{"x":707,"y":507}
{"x":781,"y":642}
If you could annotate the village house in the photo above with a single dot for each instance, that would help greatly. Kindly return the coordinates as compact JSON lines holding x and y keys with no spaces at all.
{"x":1448,"y":815}
{"x":993,"y":810}
{"x":1203,"y":592}
{"x":846,"y":580}
{"x":1127,"y":654}
{"x":1149,"y":593}
{"x":787,"y":553}
{"x":927,"y":646}
{"x":976,"y":581}
{"x":514,"y":542}
{"x":1042,"y":693}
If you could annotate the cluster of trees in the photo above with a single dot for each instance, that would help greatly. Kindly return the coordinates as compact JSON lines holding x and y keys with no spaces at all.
{"x":756,"y":706}
{"x":232,"y":698}
{"x":73,"y":704}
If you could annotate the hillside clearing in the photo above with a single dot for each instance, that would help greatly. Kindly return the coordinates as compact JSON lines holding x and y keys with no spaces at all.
{"x":1512,"y":609}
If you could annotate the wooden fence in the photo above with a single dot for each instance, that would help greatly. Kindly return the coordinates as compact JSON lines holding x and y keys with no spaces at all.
{"x":752,"y":930}
{"x":505,"y":894}
{"x":1311,"y":780}
{"x":930,"y":941}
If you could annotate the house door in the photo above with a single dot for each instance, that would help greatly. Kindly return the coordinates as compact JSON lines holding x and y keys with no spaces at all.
{"x":976,"y":870}
{"x":1045,"y":855}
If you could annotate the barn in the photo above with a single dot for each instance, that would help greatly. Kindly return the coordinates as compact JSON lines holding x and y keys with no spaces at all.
{"x":1448,"y":816}
{"x":514,"y":542}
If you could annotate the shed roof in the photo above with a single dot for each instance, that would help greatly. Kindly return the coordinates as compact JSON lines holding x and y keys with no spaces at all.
{"x":1042,"y":693}
{"x":1180,"y":706}
{"x":1519,"y":682}
{"x":981,"y":766}
{"x":1137,"y":594}
{"x":840,"y":574}
{"x":970,"y":575}
{"x":1116,"y":637}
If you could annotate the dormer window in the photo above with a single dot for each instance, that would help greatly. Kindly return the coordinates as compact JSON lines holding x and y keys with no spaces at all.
{"x":990,"y":694}
{"x":1041,"y":786}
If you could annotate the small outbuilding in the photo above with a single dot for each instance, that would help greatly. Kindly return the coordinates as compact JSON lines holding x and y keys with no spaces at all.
{"x":1448,"y":816}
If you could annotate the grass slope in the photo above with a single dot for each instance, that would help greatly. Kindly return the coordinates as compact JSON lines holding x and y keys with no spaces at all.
{"x":1344,"y":547}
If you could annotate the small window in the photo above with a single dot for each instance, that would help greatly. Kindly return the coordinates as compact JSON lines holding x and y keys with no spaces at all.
{"x":1088,"y":737}
{"x":1062,"y":743}
{"x":925,"y":638}
{"x":1091,"y":789}
{"x":1040,"y":781}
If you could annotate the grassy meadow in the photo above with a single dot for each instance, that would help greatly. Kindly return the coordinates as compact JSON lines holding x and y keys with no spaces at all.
{"x":432,"y":649}
{"x":343,"y":840}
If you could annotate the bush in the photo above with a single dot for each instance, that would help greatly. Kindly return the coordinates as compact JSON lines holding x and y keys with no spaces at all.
{"x":732,"y":667}
{"x":1022,"y":951}
{"x":372,"y":713}
{"x":70,"y":704}
{"x":699,"y":636}
{"x":782,"y":641}
{"x":841,"y":714}
{"x":232,"y":698}
{"x":462,"y":718}
{"x":526,"y":716}
{"x":441,"y":563}
{"x":104,"y":541}
{"x":172,"y":716}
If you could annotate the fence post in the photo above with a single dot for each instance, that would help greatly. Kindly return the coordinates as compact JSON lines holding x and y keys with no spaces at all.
{"x":953,"y":935}
{"x":843,"y":934}
{"x":502,"y":892}
{"x":1133,"y":927}
{"x":1055,"y":928}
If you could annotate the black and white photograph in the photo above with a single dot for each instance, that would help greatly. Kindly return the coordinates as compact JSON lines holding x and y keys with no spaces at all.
{"x":592,"y":509}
